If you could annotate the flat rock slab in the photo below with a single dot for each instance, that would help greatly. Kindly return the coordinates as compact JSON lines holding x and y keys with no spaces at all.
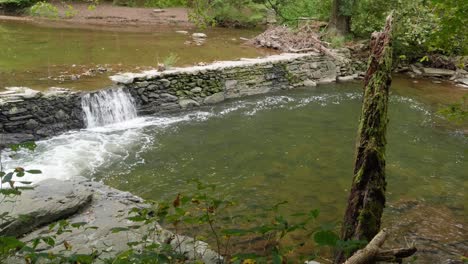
{"x":49,"y":201}
{"x":102,"y":209}
{"x":433,"y":72}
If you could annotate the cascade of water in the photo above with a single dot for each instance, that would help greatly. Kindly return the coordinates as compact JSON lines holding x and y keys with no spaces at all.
{"x":108,"y":107}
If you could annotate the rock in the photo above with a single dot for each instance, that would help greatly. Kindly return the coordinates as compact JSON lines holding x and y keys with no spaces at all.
{"x":107,"y":209}
{"x":157,"y":11}
{"x":434,"y":72}
{"x":215,"y":98}
{"x":182,"y":32}
{"x":347,"y":78}
{"x":326,"y":80}
{"x":463,"y":81}
{"x":169,"y":97}
{"x":309,"y":83}
{"x":14,"y":138}
{"x":50,"y":201}
{"x":165,"y":82}
{"x":15,"y":110}
{"x":196,"y":90}
{"x":415,"y":69}
{"x":199,"y":35}
{"x":31,"y":124}
{"x":188,"y":103}
{"x":142,"y":84}
{"x":61,"y":115}
{"x":153,"y":95}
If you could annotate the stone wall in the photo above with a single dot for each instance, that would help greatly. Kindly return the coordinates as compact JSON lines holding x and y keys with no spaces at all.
{"x":26,"y":114}
{"x":183,"y":88}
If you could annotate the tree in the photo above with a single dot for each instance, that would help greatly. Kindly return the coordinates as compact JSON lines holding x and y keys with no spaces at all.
{"x":367,"y":196}
{"x":340,"y":18}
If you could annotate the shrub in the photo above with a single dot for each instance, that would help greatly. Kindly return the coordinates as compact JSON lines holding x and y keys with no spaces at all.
{"x":289,"y":11}
{"x":230,"y":13}
{"x":44,"y":9}
{"x":15,"y":5}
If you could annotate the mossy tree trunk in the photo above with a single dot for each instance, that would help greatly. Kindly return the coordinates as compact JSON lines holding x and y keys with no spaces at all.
{"x":367,"y":196}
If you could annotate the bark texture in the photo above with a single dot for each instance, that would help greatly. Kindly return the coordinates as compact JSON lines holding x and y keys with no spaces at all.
{"x":339,"y":22}
{"x":367,"y":197}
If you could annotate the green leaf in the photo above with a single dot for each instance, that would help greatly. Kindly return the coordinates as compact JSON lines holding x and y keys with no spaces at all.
{"x":234,"y":232}
{"x":48,"y":240}
{"x":34,"y":171}
{"x":78,"y":224}
{"x":326,"y":238}
{"x":277,"y":258}
{"x":25,"y":182}
{"x":118,"y":229}
{"x":8,"y":243}
{"x":7,"y":177}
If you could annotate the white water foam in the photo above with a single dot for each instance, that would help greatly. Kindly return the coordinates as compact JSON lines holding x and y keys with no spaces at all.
{"x":108,"y":107}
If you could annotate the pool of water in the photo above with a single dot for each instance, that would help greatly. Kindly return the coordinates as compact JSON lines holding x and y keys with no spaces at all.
{"x":295,"y":145}
{"x":42,"y":56}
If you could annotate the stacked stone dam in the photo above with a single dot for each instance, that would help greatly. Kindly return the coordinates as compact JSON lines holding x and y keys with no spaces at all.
{"x":31,"y":115}
{"x":27,"y":115}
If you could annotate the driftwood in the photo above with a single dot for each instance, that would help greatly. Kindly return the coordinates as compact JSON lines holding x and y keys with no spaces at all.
{"x":366,"y":201}
{"x":373,"y":252}
{"x":304,"y":39}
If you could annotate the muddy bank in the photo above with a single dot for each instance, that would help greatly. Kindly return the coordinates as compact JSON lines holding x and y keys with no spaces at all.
{"x":106,"y":14}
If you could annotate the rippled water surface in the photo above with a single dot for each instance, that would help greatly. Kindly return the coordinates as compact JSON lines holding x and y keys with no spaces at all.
{"x":295,"y":146}
{"x":41,"y":56}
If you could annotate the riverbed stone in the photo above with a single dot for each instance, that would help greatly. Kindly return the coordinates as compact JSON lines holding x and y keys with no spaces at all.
{"x":215,"y":98}
{"x":199,"y":35}
{"x":188,"y":103}
{"x":309,"y":83}
{"x":435,"y":72}
{"x":463,"y":81}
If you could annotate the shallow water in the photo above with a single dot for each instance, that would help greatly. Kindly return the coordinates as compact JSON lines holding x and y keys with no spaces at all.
{"x":296,"y":146}
{"x":42,"y":56}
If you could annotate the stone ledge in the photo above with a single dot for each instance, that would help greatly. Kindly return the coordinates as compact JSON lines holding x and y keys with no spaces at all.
{"x":102,"y":207}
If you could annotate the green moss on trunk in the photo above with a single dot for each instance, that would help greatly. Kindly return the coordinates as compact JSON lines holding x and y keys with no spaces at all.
{"x":367,"y":197}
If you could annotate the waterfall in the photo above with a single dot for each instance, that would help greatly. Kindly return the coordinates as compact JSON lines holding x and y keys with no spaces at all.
{"x":108,"y":107}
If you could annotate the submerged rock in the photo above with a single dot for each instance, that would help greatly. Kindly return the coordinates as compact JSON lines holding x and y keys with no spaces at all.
{"x":215,"y":98}
{"x":188,"y":103}
{"x":199,"y":35}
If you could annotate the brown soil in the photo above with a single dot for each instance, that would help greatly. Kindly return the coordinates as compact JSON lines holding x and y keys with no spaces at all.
{"x":110,"y":15}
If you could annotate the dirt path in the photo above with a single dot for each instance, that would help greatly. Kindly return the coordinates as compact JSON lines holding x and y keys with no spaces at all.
{"x":108,"y":14}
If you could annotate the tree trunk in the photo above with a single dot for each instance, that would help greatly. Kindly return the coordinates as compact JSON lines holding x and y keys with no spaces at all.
{"x":339,"y":22}
{"x":367,"y":196}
